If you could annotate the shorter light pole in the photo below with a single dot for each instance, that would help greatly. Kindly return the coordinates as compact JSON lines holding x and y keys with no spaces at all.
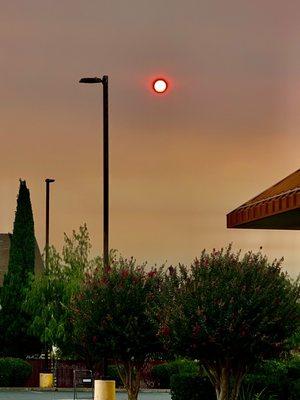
{"x":48,"y":181}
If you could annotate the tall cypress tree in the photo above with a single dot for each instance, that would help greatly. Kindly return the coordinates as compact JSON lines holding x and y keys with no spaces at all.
{"x":14,"y":322}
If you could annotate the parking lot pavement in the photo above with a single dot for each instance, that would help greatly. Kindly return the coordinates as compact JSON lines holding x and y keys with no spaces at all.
{"x":36,"y":395}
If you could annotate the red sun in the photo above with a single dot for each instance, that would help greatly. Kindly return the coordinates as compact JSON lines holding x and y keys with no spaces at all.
{"x":159,"y":85}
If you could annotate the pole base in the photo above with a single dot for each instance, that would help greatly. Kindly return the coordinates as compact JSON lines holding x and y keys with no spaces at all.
{"x":104,"y":390}
{"x":46,"y":380}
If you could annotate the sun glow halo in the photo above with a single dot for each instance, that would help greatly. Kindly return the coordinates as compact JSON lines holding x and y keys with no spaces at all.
{"x":160,"y":85}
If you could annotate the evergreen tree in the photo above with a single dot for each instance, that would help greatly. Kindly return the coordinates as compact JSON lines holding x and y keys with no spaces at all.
{"x":14,"y":322}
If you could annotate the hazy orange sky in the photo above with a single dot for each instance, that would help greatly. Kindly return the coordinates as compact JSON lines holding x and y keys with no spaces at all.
{"x":228,"y":128}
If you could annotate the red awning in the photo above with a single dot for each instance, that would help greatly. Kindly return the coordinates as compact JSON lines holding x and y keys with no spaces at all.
{"x":276,"y":208}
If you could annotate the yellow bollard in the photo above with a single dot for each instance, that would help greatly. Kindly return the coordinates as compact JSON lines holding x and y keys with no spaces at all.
{"x":104,"y":390}
{"x":46,"y":380}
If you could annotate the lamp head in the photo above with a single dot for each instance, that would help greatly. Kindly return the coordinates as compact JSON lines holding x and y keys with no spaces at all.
{"x":90,"y":80}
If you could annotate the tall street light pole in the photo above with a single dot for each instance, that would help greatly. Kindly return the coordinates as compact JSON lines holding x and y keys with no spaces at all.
{"x":48,"y":181}
{"x":104,"y":81}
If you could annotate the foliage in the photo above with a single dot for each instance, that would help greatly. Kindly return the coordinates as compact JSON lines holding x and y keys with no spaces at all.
{"x":113,"y":374}
{"x":294,"y":341}
{"x":229,"y":312}
{"x":184,"y":366}
{"x":276,"y":378}
{"x":113,"y":312}
{"x":294,"y":390}
{"x":191,"y":387}
{"x":161,"y":376}
{"x":294,"y":367}
{"x":14,"y":372}
{"x":271,"y":377}
{"x":248,"y":392}
{"x":14,"y":321}
{"x":162,"y":373}
{"x":49,"y":297}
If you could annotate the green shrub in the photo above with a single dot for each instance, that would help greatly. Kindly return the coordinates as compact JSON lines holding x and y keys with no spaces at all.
{"x":271,"y":378}
{"x":183,"y":366}
{"x":293,"y":376}
{"x":14,"y":372}
{"x":162,"y":373}
{"x":161,"y":376}
{"x":278,"y":380}
{"x":248,"y":392}
{"x":294,"y":368}
{"x":294,"y":390}
{"x":5,"y":373}
{"x":190,"y":387}
{"x":112,"y":372}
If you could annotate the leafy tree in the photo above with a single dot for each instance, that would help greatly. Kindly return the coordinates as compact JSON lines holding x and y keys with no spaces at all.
{"x":48,"y":299}
{"x":113,"y":313}
{"x":229,"y":312}
{"x":14,"y":321}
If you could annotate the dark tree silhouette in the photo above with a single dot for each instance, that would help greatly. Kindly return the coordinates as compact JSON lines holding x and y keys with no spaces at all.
{"x":14,"y":321}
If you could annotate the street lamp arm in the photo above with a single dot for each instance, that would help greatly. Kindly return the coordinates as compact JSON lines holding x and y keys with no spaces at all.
{"x":90,"y":80}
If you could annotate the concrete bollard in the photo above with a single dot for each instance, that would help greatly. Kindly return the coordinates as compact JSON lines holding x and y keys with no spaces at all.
{"x":46,"y":380}
{"x":104,"y":390}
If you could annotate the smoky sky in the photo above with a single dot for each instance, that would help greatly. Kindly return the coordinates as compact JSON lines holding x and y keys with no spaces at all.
{"x":227,"y":129}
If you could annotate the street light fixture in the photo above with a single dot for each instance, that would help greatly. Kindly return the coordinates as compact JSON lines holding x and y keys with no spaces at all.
{"x":104,"y":81}
{"x":91,"y":80}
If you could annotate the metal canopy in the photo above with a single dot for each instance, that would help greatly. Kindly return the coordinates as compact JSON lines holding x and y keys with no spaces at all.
{"x":276,"y":208}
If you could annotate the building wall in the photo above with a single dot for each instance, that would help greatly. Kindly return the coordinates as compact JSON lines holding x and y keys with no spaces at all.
{"x":4,"y":256}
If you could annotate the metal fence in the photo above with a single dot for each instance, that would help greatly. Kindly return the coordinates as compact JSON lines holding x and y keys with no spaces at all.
{"x":64,"y":372}
{"x":83,"y":379}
